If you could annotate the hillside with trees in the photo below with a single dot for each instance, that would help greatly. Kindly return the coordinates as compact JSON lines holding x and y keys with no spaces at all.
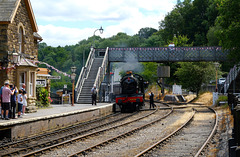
{"x":190,"y":23}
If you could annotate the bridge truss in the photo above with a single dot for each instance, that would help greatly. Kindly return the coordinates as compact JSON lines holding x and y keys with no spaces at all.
{"x":167,"y":54}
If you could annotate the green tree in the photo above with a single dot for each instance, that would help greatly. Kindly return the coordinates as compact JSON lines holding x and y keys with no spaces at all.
{"x":180,"y":41}
{"x":212,"y":36}
{"x":193,"y":74}
{"x":150,"y":72}
{"x":190,"y":18}
{"x":146,"y":32}
{"x":153,"y":41}
{"x":229,"y":21}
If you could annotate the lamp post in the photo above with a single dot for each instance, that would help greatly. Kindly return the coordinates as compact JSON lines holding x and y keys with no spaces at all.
{"x":100,"y":30}
{"x":73,"y":75}
{"x":216,"y":64}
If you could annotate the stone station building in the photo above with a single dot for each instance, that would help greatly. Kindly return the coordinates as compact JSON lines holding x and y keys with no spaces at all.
{"x":19,"y":46}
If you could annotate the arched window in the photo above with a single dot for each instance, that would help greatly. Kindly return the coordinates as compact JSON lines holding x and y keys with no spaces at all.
{"x":21,"y":37}
{"x":21,"y":40}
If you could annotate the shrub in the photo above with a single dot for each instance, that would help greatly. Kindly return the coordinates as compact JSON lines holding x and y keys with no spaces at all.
{"x":42,"y":97}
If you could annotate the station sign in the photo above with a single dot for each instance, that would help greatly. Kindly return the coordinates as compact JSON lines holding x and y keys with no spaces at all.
{"x":54,"y":77}
{"x":41,"y":83}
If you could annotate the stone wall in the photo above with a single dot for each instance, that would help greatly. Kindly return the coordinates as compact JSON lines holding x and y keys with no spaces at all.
{"x":9,"y":41}
{"x":3,"y":51}
{"x":21,"y":17}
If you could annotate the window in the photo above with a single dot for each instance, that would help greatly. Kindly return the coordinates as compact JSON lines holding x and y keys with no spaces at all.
{"x":31,"y":83}
{"x":22,"y":79}
{"x":21,"y":40}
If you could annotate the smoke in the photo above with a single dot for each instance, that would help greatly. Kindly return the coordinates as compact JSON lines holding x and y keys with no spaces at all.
{"x":131,"y":64}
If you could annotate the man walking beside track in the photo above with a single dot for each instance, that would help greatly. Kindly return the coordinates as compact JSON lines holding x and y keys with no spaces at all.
{"x":151,"y":100}
{"x":94,"y":95}
{"x":6,"y":95}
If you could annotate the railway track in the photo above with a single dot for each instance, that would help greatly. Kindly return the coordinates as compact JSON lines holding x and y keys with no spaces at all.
{"x":131,"y":144}
{"x":188,"y":140}
{"x":92,"y":144}
{"x":97,"y":134}
{"x":116,"y":137}
{"x":63,"y":140}
{"x":13,"y":147}
{"x":9,"y":143}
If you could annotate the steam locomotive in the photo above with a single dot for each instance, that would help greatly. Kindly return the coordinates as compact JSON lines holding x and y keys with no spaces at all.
{"x":131,"y":97}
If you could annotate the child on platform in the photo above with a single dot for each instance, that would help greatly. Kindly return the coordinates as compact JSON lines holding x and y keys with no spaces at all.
{"x":20,"y":102}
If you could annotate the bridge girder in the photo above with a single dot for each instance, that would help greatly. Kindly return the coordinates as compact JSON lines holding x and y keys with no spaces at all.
{"x":167,"y":54}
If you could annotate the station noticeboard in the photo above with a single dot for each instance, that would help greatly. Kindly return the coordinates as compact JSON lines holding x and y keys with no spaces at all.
{"x":54,"y":77}
{"x":66,"y":99}
{"x":41,"y":83}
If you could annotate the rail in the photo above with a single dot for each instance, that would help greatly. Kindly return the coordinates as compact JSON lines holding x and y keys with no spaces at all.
{"x":102,"y":70}
{"x":84,"y":72}
{"x":211,"y":135}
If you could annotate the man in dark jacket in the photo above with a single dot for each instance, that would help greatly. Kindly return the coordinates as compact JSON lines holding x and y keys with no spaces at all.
{"x":94,"y":95}
{"x":12,"y":110}
{"x":151,"y":100}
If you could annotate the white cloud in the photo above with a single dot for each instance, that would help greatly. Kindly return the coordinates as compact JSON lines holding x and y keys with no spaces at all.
{"x":57,"y":35}
{"x":53,"y":17}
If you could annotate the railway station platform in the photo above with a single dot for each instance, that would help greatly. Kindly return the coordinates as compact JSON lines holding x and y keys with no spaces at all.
{"x":52,"y":118}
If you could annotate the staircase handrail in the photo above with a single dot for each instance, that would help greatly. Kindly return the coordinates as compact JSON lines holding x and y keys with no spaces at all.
{"x":101,"y":70}
{"x":232,"y":75}
{"x":84,"y":72}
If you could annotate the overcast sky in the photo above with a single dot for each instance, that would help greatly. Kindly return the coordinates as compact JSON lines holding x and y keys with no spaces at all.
{"x":66,"y":22}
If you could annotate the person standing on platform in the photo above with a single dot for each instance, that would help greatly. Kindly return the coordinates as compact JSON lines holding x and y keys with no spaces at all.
{"x":6,"y":94}
{"x":23,"y":87}
{"x":151,"y":100}
{"x":1,"y":101}
{"x":94,"y":95}
{"x":24,"y":102}
{"x":12,"y":110}
{"x":20,"y":102}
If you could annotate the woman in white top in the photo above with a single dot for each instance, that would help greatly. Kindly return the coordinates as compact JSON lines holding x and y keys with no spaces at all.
{"x":24,"y":102}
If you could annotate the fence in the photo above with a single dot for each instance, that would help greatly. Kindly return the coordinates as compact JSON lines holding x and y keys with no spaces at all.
{"x":234,"y":142}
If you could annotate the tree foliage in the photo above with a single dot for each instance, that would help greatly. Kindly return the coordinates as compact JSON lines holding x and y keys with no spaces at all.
{"x":229,"y":21}
{"x":192,"y":74}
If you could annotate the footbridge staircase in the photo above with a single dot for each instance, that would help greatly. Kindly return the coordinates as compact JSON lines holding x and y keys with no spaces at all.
{"x":92,"y":73}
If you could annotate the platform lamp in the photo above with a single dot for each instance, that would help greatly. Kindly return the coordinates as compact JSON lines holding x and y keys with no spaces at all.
{"x":216,"y":64}
{"x":100,"y":30}
{"x":73,"y":76}
{"x":15,"y":57}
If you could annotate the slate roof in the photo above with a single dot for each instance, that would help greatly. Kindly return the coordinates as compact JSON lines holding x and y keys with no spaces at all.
{"x":7,"y":9}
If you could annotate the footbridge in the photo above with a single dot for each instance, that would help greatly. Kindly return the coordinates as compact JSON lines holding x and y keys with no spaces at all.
{"x":167,"y":54}
{"x":97,"y":64}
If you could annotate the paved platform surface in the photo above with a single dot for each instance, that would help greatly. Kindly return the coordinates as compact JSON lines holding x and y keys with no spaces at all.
{"x":54,"y":110}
